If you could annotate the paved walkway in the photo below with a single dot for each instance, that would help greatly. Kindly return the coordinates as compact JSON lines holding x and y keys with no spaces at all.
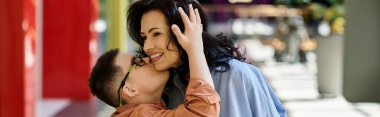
{"x":296,"y":86}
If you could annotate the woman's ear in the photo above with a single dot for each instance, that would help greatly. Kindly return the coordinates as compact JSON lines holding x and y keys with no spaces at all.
{"x":129,"y":90}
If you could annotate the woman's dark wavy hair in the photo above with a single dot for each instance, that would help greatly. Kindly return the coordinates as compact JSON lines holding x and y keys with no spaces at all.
{"x":218,"y":49}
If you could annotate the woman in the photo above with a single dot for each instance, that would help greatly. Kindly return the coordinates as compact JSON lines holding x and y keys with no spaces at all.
{"x":243,"y":90}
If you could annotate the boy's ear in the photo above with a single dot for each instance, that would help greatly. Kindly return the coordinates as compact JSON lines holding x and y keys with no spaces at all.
{"x":129,"y":90}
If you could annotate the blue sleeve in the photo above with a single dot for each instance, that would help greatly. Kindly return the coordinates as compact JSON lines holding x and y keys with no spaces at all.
{"x":256,"y":81}
{"x":244,"y":92}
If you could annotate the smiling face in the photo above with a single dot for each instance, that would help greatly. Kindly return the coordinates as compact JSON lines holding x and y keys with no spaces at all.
{"x":155,"y":32}
{"x":144,"y":82}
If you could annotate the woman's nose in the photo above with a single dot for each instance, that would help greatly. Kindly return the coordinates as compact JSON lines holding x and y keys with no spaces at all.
{"x":148,"y":45}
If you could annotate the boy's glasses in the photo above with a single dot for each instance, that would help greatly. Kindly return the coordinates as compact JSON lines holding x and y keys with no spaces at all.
{"x":136,"y":60}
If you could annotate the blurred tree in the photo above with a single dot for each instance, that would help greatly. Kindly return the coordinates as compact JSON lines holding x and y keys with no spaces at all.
{"x":317,"y":11}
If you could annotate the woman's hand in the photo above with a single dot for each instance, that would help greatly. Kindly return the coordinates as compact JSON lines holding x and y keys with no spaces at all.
{"x":191,"y":39}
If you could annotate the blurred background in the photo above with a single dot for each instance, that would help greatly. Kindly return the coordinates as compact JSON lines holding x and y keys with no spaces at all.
{"x":320,"y":56}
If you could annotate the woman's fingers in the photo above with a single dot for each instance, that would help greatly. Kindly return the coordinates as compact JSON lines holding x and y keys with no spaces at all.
{"x":193,"y":17}
{"x":177,"y":32}
{"x":192,"y":37}
{"x":184,"y":17}
{"x":198,"y":16}
{"x":192,"y":14}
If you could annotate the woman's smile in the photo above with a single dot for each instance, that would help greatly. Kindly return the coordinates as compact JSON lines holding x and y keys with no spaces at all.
{"x":156,"y":57}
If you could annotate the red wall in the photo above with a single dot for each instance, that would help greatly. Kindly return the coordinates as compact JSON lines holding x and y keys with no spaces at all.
{"x":17,"y":58}
{"x":67,"y":59}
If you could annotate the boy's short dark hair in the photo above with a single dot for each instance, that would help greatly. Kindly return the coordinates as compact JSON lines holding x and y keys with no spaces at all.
{"x":102,"y":81}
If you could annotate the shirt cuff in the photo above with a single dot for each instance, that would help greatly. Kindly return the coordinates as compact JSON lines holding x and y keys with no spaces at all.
{"x":200,"y":89}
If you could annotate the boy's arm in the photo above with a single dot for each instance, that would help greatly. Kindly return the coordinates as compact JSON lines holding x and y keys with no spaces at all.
{"x":201,"y":101}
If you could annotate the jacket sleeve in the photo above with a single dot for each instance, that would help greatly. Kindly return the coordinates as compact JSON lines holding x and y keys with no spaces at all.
{"x":201,"y":100}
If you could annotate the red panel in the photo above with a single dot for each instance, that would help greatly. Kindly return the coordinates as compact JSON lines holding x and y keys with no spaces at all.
{"x":11,"y":59}
{"x":66,"y":55}
{"x":16,"y":79}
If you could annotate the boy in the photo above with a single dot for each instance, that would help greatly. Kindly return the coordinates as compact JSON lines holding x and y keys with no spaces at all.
{"x":143,"y":88}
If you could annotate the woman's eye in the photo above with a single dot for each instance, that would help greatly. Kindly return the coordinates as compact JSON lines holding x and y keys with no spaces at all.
{"x":156,"y":34}
{"x":143,"y":37}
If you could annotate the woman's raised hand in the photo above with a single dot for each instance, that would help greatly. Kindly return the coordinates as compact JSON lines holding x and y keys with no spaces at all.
{"x":191,"y":39}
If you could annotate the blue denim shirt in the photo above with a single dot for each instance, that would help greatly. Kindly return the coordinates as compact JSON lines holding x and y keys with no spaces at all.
{"x":243,"y":90}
